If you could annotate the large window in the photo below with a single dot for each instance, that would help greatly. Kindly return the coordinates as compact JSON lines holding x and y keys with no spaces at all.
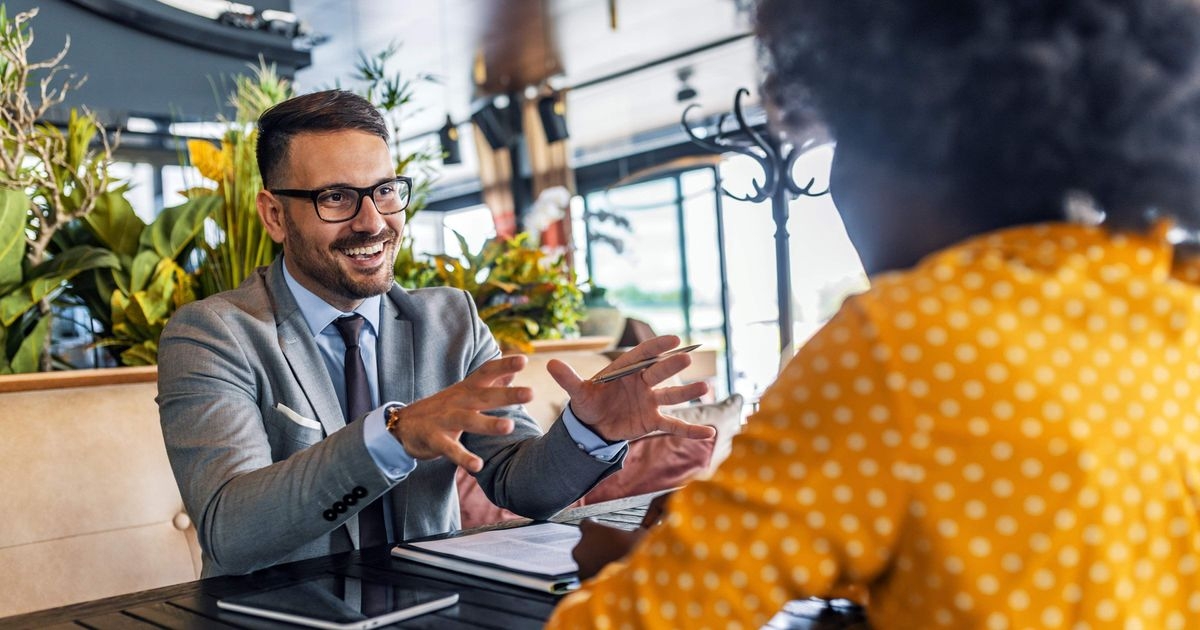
{"x":824,"y":265}
{"x":662,"y":268}
{"x":703,"y":267}
{"x":434,"y":232}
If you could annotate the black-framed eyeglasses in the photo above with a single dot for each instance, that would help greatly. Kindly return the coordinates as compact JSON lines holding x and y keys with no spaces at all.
{"x":335,"y":205}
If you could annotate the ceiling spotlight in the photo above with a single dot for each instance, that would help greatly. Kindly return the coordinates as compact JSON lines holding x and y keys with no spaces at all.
{"x":686,"y":92}
{"x":448,"y":137}
{"x":552,"y":111}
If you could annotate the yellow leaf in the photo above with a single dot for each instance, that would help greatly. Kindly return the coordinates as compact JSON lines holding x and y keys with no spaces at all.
{"x":208,"y":159}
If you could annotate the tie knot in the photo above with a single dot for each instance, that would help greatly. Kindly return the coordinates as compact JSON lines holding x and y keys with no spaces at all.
{"x":348,"y":328}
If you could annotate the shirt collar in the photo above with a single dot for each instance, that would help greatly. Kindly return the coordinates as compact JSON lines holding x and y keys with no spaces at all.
{"x":318,"y":313}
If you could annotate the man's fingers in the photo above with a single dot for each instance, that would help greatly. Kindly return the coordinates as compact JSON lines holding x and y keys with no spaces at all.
{"x":566,"y":376}
{"x":454,"y":451}
{"x":494,"y":397}
{"x":454,"y":422}
{"x":666,"y":368}
{"x":496,"y":370}
{"x":649,"y":348}
{"x":680,"y":393}
{"x":484,"y":424}
{"x":675,"y":426}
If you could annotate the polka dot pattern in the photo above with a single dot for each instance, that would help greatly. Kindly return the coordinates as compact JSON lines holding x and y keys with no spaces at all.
{"x":1005,"y":436}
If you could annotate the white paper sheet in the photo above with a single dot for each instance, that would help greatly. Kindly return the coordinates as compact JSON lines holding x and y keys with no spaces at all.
{"x":543,"y":548}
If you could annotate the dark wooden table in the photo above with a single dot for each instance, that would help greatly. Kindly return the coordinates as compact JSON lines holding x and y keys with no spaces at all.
{"x":482,"y":603}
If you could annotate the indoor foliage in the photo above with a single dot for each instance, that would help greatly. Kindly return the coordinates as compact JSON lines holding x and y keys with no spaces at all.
{"x":521,"y":295}
{"x":69,"y":236}
{"x":49,"y":177}
{"x":236,"y":242}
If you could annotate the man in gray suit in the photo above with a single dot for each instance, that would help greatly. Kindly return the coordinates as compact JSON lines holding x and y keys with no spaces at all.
{"x":254,"y":385}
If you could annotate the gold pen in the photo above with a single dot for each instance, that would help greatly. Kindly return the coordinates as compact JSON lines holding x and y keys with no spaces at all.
{"x":634,"y":368}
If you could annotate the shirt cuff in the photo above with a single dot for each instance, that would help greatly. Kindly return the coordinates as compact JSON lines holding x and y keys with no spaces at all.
{"x":587,"y":440}
{"x":389,"y":454}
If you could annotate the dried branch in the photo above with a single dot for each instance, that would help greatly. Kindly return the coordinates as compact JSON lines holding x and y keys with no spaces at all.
{"x":63,"y":181}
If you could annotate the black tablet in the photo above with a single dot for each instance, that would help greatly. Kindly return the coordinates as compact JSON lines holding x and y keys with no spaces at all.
{"x":339,"y":603}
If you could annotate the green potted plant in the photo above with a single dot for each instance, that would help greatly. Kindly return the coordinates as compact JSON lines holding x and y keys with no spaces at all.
{"x":522,"y":295}
{"x":49,"y":177}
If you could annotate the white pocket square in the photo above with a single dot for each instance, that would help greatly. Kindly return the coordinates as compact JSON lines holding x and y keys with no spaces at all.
{"x":307,"y":423}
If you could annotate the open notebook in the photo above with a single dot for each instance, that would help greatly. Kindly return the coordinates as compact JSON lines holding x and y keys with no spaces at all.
{"x":534,"y":556}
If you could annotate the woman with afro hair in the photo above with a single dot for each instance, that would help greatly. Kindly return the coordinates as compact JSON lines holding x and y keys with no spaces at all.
{"x":1004,"y":431}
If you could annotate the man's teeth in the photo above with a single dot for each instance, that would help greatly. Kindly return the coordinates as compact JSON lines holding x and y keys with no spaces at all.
{"x":369,"y":250}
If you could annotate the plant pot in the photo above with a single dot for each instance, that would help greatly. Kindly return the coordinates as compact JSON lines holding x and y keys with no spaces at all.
{"x":602,"y":321}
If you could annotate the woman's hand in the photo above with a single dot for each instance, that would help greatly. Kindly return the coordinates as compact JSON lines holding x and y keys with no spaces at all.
{"x":601,"y":544}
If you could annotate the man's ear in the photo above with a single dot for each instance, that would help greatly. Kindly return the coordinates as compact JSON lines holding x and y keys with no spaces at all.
{"x":270,"y":212}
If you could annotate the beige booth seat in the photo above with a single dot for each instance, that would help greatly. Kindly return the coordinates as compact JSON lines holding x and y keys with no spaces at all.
{"x":92,"y":509}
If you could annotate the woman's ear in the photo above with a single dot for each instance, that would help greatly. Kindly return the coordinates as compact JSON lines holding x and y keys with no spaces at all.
{"x":270,"y":212}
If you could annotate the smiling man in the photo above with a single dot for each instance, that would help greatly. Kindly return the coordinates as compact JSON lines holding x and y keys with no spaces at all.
{"x":320,"y":407}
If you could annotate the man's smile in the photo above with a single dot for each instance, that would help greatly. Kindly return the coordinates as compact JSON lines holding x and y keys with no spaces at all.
{"x":364,"y":251}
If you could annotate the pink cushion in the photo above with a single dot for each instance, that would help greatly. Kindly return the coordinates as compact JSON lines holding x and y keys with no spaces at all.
{"x":654,"y":462}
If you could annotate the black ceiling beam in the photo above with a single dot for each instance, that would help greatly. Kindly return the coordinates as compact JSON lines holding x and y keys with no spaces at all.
{"x":198,"y":31}
{"x":658,"y":62}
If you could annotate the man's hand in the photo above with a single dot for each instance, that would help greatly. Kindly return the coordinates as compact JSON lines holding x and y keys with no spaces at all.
{"x":628,"y":407}
{"x":431,"y":427}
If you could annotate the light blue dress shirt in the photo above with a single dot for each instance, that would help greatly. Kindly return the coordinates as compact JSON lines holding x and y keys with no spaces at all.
{"x":388,"y":452}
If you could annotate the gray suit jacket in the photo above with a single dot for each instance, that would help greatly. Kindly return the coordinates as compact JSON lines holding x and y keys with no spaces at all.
{"x":257,"y":480}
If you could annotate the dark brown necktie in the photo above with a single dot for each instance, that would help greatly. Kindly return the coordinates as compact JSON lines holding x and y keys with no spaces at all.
{"x":371,"y":527}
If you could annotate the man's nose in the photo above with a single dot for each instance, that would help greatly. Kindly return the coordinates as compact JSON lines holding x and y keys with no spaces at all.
{"x":368,"y":219}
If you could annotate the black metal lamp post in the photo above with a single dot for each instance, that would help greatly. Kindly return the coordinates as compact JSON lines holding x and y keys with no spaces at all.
{"x":776,"y":158}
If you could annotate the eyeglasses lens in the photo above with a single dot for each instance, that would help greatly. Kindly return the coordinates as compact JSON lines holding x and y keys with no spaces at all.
{"x":341,"y":204}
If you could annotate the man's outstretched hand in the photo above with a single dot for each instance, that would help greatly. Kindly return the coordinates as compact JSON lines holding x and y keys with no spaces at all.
{"x":628,"y":407}
{"x":431,"y":427}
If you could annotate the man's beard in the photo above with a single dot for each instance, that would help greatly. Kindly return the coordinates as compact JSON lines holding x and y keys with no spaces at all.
{"x":321,"y":264}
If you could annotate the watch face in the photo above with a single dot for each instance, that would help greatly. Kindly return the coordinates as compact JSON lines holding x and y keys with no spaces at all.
{"x":392,"y":415}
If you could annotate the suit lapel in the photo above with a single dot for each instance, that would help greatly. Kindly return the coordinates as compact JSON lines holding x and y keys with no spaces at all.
{"x":397,"y":365}
{"x":397,"y":379}
{"x":295,"y":341}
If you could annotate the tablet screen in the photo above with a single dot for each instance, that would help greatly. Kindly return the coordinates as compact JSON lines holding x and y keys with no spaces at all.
{"x":338,"y":602}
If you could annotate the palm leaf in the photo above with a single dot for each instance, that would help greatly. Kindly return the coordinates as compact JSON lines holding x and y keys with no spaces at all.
{"x":13,"y":208}
{"x":48,"y":277}
{"x":175,"y":229}
{"x":27,"y":358}
{"x":114,"y":223}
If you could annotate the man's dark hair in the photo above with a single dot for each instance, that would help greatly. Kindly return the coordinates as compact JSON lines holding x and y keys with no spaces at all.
{"x":1011,"y":103}
{"x":331,"y":110}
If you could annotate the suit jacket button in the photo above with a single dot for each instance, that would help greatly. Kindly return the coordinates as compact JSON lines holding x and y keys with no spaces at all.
{"x":349,"y":499}
{"x":339,"y":507}
{"x":359,"y":491}
{"x":329,"y":515}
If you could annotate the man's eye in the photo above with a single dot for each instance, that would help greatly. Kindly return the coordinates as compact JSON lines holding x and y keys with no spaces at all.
{"x":332,"y":196}
{"x":386,"y":191}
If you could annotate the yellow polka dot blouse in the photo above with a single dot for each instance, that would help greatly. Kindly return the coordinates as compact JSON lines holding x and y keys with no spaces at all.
{"x":1005,"y":436}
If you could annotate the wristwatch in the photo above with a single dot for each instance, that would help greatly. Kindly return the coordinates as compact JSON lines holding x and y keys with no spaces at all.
{"x":391,"y":414}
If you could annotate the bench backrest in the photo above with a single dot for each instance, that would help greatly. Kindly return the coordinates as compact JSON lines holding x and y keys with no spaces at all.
{"x":92,"y":507}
